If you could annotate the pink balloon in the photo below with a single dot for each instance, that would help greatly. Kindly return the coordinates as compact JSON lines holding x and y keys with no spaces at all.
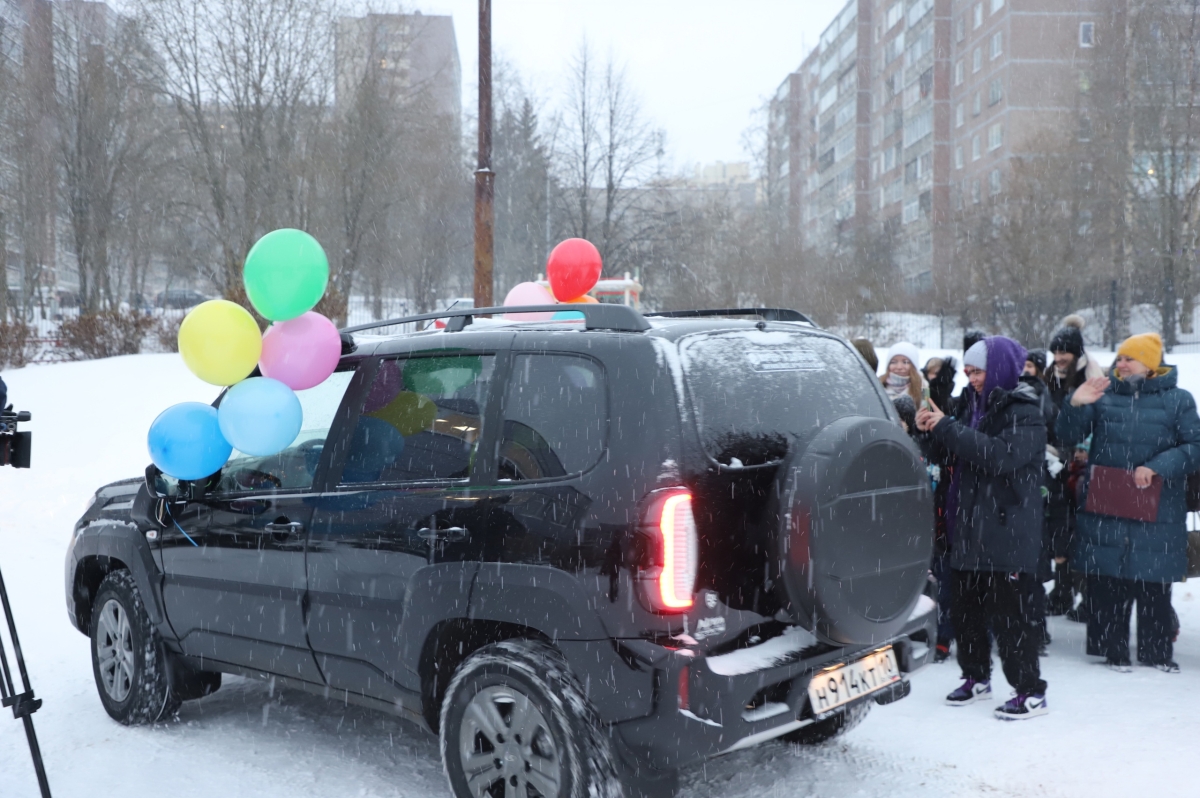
{"x":529,"y":294}
{"x":301,"y":352}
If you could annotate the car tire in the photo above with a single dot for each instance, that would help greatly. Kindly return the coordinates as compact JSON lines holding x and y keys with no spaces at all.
{"x":831,"y":727}
{"x":524,"y":687}
{"x":129,"y":661}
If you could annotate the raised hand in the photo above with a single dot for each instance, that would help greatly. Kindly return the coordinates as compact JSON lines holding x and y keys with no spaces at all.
{"x":1089,"y":392}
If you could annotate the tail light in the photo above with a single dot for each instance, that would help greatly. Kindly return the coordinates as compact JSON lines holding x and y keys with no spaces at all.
{"x":669,"y":581}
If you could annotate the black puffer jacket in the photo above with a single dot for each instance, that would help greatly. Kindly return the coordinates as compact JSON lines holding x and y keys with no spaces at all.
{"x":999,"y":520}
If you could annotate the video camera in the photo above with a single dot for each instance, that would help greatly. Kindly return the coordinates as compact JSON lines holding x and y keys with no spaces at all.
{"x":14,"y":446}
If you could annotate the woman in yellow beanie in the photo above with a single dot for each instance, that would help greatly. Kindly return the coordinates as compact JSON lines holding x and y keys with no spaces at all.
{"x":1141,"y":421}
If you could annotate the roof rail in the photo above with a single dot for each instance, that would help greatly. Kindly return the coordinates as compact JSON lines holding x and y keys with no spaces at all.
{"x":767,"y":314}
{"x":620,"y":318}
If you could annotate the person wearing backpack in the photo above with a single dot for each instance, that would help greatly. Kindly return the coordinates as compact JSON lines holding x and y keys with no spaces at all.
{"x":1143,"y":423}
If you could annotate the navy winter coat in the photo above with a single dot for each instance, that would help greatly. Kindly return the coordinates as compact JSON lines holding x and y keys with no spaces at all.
{"x":998,"y":526}
{"x":1150,"y":423}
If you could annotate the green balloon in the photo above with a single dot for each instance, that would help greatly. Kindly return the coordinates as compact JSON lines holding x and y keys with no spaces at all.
{"x":285,"y":274}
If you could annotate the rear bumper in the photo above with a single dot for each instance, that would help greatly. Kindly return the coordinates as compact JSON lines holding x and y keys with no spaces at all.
{"x":730,"y":711}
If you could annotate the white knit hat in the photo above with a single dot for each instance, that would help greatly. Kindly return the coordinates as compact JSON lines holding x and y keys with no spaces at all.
{"x":976,"y":356}
{"x":904,"y":349}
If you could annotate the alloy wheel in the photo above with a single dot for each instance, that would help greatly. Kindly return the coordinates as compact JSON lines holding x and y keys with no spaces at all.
{"x":506,"y":747}
{"x":114,"y":651}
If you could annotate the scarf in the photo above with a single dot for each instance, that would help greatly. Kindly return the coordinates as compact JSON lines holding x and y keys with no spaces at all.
{"x":896,"y":385}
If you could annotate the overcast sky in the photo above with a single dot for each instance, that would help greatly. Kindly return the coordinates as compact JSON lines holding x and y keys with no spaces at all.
{"x":700,"y":67}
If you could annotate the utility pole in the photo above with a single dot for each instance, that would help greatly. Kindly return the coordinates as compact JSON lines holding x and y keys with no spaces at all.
{"x":485,"y":178}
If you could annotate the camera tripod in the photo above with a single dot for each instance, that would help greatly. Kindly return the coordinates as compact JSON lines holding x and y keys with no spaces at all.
{"x":23,"y":704}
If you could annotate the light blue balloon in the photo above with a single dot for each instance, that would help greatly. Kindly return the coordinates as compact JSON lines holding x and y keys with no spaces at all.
{"x":185,"y":441}
{"x":260,"y":416}
{"x":567,"y":315}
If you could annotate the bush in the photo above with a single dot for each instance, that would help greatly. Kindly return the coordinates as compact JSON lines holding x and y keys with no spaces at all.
{"x":16,"y":347}
{"x":167,"y":331}
{"x":105,"y":334}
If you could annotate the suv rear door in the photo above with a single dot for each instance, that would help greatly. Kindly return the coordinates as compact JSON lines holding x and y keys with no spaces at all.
{"x":234,"y":586}
{"x":403,"y":528}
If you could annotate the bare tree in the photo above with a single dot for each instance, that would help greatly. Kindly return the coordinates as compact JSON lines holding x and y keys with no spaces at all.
{"x":249,"y":80}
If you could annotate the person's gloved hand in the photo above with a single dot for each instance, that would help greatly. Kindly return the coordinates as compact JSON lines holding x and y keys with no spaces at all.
{"x":1053,"y":464}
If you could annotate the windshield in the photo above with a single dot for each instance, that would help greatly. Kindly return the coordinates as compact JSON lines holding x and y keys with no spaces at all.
{"x":755,"y":390}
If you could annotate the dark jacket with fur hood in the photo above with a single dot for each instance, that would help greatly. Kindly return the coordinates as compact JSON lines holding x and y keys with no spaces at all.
{"x":998,"y":523}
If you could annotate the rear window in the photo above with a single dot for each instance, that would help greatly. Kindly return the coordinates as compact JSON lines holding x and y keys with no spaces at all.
{"x":754,"y":390}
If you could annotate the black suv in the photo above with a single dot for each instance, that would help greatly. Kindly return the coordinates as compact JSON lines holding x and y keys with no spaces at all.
{"x":586,"y":553}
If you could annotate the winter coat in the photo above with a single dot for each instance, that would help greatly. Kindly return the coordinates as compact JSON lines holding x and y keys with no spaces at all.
{"x":3,"y":394}
{"x":1152,"y":423}
{"x":998,"y":523}
{"x":1059,"y":389}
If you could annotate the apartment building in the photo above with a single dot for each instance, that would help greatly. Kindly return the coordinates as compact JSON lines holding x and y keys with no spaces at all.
{"x":417,"y":53}
{"x":909,"y":111}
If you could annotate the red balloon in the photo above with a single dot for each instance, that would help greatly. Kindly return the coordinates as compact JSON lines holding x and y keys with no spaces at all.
{"x":573,"y":269}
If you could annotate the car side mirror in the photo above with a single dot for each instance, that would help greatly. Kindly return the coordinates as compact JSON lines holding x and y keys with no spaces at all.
{"x":161,"y":486}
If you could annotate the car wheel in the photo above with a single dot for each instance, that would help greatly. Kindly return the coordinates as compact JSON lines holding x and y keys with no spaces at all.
{"x":129,"y":660}
{"x":515,"y":722}
{"x":833,"y":726}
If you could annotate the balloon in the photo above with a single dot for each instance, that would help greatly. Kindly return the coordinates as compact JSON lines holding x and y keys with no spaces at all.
{"x":220,"y":342}
{"x":528,"y":294}
{"x":584,"y":300}
{"x":185,"y":441}
{"x":409,"y":413}
{"x":573,"y":268}
{"x":260,"y":416}
{"x":285,"y":274}
{"x":301,"y":353}
{"x":568,"y":315}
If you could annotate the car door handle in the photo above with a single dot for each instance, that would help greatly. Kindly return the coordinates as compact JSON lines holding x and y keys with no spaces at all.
{"x":452,"y":534}
{"x":284,"y":527}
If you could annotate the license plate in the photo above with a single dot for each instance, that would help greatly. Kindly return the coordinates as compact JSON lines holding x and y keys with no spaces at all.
{"x":833,"y":687}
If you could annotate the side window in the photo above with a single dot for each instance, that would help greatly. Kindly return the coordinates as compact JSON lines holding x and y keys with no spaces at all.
{"x":293,"y":468}
{"x":555,"y":417}
{"x":421,"y":420}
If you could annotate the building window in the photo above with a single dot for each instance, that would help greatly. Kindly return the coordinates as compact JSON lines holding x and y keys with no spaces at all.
{"x":994,"y":181}
{"x":958,"y":157}
{"x":975,"y":151}
{"x":959,"y":72}
{"x":1085,"y":82}
{"x":894,"y":14}
{"x":996,"y":93}
{"x":1087,"y":34}
{"x":995,"y":136}
{"x":960,"y":29}
{"x":912,"y":210}
{"x":975,"y":192}
{"x":978,"y":16}
{"x":977,"y":60}
{"x":997,"y":5}
{"x":959,"y":116}
{"x":997,"y":44}
{"x":976,"y":104}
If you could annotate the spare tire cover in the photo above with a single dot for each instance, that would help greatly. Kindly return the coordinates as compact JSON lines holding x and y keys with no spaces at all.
{"x":854,"y":530}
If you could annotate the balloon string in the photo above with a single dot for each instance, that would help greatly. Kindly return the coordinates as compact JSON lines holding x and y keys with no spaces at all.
{"x":177,"y":526}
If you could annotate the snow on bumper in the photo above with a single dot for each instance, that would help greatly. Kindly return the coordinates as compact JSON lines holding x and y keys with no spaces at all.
{"x":711,"y":705}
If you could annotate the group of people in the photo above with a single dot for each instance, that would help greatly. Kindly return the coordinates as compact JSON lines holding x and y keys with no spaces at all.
{"x":1012,"y":458}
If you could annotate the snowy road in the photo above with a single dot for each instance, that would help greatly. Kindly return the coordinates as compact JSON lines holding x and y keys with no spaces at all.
{"x":1107,"y":735}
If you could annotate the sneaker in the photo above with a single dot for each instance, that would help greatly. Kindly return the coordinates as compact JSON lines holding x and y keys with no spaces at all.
{"x":941,"y":653}
{"x":1023,"y":707}
{"x":1119,"y":667}
{"x":969,"y":692}
{"x":1166,"y":667}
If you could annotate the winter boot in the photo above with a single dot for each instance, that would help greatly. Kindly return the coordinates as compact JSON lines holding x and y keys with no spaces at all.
{"x":941,"y":653}
{"x":1023,"y":707}
{"x":969,"y":692}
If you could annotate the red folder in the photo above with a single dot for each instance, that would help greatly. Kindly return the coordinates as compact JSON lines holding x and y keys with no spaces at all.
{"x":1111,"y":491}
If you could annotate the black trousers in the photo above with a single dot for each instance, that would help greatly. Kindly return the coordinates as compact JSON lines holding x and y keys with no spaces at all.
{"x":1006,"y":602}
{"x":1110,"y":601}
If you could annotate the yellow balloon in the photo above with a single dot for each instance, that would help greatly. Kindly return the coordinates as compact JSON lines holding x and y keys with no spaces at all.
{"x":408,"y":412}
{"x":220,"y":342}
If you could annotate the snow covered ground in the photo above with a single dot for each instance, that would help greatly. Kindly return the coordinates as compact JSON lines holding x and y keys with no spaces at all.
{"x":1107,"y":734}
